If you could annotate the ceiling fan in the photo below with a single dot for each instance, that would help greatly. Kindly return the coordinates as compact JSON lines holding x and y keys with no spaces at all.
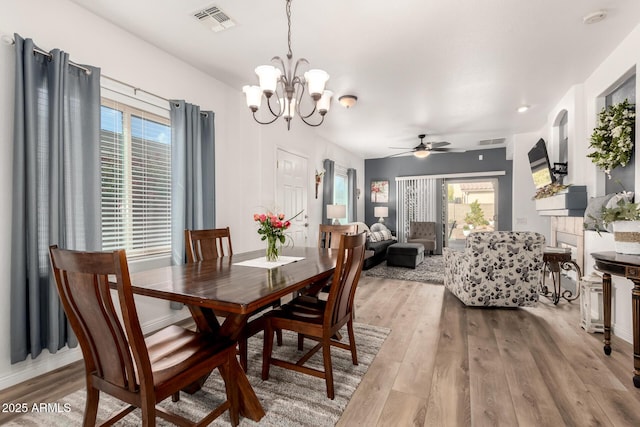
{"x":423,"y":149}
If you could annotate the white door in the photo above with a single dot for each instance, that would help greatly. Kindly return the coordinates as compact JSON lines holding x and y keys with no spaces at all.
{"x":291,"y":193}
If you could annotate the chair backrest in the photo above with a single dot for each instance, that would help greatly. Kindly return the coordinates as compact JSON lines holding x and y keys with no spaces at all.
{"x":116,"y":355}
{"x":329,"y":235}
{"x":422,"y":229}
{"x":506,"y":256}
{"x":345,"y":278}
{"x":202,"y":245}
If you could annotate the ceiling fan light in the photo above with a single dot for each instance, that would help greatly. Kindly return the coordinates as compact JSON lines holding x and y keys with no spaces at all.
{"x":316,"y":80}
{"x":254,"y":96}
{"x":268,"y":76}
{"x":421,"y":154}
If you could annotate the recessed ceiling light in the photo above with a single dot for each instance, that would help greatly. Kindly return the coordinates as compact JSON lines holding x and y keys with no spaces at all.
{"x":594,"y":17}
{"x":523,"y":108}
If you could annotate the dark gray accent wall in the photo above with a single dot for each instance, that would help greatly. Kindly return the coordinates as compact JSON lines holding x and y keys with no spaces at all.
{"x":437,"y":164}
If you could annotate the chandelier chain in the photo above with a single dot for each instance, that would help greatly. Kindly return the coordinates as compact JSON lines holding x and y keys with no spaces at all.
{"x":288,"y":10}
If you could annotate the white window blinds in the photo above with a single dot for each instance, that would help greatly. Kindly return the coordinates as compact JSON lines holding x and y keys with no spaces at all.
{"x":136,"y":180}
{"x":416,"y":201}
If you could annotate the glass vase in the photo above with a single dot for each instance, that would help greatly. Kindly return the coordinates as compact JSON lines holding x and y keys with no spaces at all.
{"x":273,"y":251}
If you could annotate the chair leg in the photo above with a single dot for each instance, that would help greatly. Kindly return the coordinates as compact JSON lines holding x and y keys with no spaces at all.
{"x":266,"y":350}
{"x":352,"y":341}
{"x":91,"y":407}
{"x":175,"y":397}
{"x":279,"y":337}
{"x":328,"y":368}
{"x":300,"y":342}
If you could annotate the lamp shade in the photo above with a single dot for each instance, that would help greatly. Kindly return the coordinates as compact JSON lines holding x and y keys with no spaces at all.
{"x":381,"y":211}
{"x":336,"y":211}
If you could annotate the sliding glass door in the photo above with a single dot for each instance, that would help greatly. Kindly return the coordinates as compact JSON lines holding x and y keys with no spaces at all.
{"x":470,"y":205}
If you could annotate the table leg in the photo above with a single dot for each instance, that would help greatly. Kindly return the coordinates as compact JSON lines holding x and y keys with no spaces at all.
{"x":635,"y":301}
{"x":206,"y":320}
{"x":606,"y":294}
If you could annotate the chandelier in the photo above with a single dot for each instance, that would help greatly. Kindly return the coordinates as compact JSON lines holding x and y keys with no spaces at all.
{"x":283,"y":81}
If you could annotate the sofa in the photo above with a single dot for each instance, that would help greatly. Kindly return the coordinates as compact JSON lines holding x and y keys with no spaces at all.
{"x":379,"y":238}
{"x":496,"y":269}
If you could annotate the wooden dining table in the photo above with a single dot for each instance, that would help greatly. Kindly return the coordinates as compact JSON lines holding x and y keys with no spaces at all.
{"x":222,"y":285}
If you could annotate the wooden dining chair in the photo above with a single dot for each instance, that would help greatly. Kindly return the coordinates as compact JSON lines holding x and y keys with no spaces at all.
{"x":207,"y":244}
{"x":118,"y":359}
{"x":203,"y":245}
{"x":318,"y":319}
{"x":329,"y":235}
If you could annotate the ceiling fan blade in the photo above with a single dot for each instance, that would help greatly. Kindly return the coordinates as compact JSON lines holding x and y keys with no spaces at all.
{"x":439,"y":144}
{"x":398,"y":154}
{"x":447,"y":150}
{"x":398,"y":148}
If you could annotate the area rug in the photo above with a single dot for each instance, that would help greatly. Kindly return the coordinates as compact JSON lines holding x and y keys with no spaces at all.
{"x":289,"y":398}
{"x":431,"y":270}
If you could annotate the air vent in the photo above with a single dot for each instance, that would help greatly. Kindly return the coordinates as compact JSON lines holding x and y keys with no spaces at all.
{"x":214,"y":19}
{"x":496,"y":141}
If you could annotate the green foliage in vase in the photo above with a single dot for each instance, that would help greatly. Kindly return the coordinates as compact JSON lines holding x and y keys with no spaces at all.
{"x":623,"y":211}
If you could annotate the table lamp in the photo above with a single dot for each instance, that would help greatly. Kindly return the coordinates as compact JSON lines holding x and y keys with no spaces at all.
{"x":335,"y":212}
{"x":381,"y":212}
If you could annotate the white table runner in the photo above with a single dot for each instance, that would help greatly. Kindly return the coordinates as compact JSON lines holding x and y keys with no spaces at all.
{"x":263,"y":263}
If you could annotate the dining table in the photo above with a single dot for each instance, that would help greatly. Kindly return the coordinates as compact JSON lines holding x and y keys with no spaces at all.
{"x":237,"y":285}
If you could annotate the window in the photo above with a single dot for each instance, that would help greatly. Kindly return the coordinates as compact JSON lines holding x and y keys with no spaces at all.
{"x":341,"y":191}
{"x":136,"y":180}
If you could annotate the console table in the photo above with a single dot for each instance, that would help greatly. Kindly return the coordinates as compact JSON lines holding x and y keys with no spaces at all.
{"x":626,"y":266}
{"x":556,"y":259}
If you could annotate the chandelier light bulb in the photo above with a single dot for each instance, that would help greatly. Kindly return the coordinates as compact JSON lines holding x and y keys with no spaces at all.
{"x":324,"y":104}
{"x":316,"y":80}
{"x":254,"y":97}
{"x":268,"y":76}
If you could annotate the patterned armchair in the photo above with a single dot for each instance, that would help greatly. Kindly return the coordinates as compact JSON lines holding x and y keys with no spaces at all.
{"x":496,"y":269}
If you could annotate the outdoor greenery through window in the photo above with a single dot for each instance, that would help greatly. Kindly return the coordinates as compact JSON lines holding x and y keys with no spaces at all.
{"x":136,"y":180}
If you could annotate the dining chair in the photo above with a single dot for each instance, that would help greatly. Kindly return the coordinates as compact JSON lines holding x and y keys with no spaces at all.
{"x":329,"y":235}
{"x":318,"y":319}
{"x":207,"y":244}
{"x":118,"y":359}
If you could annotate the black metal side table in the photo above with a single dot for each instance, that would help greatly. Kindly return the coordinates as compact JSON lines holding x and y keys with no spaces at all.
{"x":556,"y":260}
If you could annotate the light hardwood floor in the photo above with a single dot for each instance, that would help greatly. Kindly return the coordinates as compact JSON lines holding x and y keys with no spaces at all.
{"x":447,"y":365}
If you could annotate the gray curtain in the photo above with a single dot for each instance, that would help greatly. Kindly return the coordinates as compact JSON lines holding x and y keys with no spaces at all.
{"x":192,"y":173}
{"x":352,"y":214}
{"x":327,"y":188}
{"x":56,"y":189}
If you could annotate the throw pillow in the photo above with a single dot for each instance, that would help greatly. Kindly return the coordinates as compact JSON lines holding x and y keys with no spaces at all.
{"x":380,"y":236}
{"x":378,"y":226}
{"x":593,"y":212}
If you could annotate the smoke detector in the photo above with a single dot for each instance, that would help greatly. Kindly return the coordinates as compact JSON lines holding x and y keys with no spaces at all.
{"x":214,"y":19}
{"x":594,"y":17}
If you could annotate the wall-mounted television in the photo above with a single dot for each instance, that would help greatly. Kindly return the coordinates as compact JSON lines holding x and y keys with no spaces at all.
{"x":540,"y":165}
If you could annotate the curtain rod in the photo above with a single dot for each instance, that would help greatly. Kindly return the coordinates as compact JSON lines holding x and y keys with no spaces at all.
{"x":10,"y":41}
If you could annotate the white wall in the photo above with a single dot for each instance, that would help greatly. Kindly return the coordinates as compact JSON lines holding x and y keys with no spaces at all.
{"x":245,"y":151}
{"x":583,"y":101}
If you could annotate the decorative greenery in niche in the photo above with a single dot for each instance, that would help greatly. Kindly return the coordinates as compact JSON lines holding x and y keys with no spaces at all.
{"x":612,"y":139}
{"x":549,"y":190}
{"x":624,"y":210}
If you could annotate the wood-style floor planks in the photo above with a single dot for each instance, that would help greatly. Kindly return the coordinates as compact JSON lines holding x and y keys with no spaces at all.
{"x":444,"y":364}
